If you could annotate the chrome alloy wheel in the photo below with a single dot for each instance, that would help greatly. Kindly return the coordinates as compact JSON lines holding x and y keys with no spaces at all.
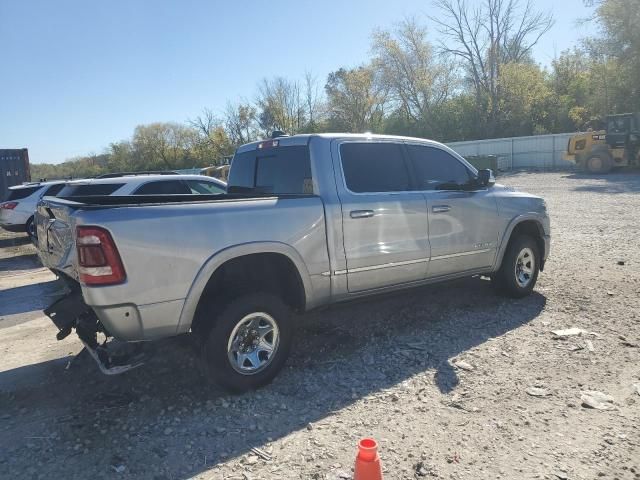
{"x":525,"y":266}
{"x":253,"y":343}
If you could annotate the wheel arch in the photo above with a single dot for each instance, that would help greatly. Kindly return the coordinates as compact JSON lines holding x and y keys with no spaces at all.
{"x":275,"y":254}
{"x":528,"y":224}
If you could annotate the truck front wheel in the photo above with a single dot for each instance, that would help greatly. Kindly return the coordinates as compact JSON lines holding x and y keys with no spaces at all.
{"x":249,"y":342}
{"x":520,"y":266}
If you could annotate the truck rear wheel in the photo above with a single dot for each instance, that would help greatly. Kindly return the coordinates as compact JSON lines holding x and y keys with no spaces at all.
{"x":249,"y":342}
{"x":598,"y":164}
{"x":520,"y":266}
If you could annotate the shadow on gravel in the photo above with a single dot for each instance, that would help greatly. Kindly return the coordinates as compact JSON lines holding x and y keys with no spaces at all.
{"x":145,"y":418}
{"x":530,"y":171}
{"x":627,"y":181}
{"x":25,"y":261}
{"x":28,"y":298}
{"x":14,"y":241}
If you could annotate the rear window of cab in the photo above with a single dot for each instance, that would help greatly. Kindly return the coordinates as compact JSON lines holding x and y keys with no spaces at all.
{"x":277,"y":170}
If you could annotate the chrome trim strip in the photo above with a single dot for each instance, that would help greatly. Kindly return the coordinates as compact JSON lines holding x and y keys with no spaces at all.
{"x":461,"y":254}
{"x":382,"y":265}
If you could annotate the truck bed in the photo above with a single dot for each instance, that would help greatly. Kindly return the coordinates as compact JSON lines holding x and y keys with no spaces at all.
{"x":165,"y":243}
{"x":100,"y":201}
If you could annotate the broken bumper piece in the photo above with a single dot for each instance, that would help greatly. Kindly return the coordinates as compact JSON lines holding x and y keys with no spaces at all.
{"x":113,"y":357}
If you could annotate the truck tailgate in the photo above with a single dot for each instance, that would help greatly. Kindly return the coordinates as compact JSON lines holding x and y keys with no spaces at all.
{"x":54,"y":226}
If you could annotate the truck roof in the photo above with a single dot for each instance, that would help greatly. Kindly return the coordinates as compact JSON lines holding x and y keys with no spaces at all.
{"x":303,"y":139}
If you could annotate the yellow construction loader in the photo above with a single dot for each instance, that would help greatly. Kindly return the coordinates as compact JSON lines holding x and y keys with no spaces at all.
{"x":600,"y":151}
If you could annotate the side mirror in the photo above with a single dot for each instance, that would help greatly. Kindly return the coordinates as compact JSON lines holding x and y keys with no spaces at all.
{"x":485,"y":178}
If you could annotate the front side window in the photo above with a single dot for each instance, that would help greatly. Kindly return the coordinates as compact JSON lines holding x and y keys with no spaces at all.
{"x":204,"y":187}
{"x":163,"y":187}
{"x":374,"y":167}
{"x":53,"y":190}
{"x":436,"y":169}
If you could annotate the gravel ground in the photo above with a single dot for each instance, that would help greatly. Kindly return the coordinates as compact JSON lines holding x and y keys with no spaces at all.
{"x":453,"y":381}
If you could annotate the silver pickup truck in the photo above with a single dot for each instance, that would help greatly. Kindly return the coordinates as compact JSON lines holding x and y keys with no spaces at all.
{"x":308,"y":220}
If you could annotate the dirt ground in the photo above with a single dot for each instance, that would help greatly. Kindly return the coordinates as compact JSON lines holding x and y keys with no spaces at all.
{"x":453,"y":381}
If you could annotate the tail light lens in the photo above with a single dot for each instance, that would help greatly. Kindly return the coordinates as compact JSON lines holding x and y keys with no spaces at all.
{"x":8,"y":205}
{"x":99,"y":262}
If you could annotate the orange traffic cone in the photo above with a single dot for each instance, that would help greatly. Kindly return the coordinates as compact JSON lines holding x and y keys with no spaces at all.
{"x":368,"y":466}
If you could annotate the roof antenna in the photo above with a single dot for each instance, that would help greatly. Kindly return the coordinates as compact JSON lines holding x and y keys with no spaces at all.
{"x":278,"y":133}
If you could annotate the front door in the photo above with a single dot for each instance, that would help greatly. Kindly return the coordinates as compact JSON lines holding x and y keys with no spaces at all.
{"x":384,"y":222}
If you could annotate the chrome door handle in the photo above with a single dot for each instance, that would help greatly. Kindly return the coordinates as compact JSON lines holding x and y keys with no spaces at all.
{"x":440,"y":208}
{"x":361,"y":213}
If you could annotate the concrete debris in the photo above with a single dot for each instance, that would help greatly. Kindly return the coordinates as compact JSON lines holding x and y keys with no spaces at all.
{"x":569,"y":332}
{"x":538,"y":391}
{"x":461,"y":364}
{"x":597,"y":400}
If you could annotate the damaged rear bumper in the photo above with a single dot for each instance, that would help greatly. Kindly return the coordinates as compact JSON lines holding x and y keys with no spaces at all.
{"x":71,"y":312}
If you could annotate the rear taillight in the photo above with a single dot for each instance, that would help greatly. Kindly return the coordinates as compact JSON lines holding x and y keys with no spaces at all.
{"x":98,"y":258}
{"x":8,"y":205}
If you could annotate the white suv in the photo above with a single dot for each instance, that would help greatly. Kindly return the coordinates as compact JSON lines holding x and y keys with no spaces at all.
{"x":16,"y":212}
{"x":143,"y":184}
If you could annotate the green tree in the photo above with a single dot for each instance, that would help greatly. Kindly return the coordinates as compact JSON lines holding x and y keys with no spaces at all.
{"x":162,"y":146}
{"x":484,"y":38}
{"x":525,"y":100}
{"x":418,"y":81}
{"x":616,"y":53}
{"x":355,"y":101}
{"x":240,"y":122}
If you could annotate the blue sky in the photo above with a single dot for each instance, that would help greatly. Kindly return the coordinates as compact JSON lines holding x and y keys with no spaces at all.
{"x":77,"y":75}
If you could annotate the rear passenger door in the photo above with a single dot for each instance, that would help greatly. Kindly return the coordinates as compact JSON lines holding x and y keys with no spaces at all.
{"x":384,"y":222}
{"x":463,"y":220}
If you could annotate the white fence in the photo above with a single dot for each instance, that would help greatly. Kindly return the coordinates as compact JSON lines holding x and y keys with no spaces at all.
{"x":540,"y":151}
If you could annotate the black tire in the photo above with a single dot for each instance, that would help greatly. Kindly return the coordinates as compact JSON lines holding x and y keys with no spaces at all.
{"x":511,"y":279}
{"x":218,"y":364}
{"x":598,"y":163}
{"x":30,"y":228}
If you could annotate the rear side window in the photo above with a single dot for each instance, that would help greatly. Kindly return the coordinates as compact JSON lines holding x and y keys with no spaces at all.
{"x":89,"y":189}
{"x":436,"y":169}
{"x":204,"y":187}
{"x":163,"y":187}
{"x":278,"y":170}
{"x":53,"y":190}
{"x":374,"y":167}
{"x":20,"y":193}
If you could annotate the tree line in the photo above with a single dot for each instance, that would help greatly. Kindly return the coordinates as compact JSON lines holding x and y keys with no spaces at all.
{"x":476,"y":80}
